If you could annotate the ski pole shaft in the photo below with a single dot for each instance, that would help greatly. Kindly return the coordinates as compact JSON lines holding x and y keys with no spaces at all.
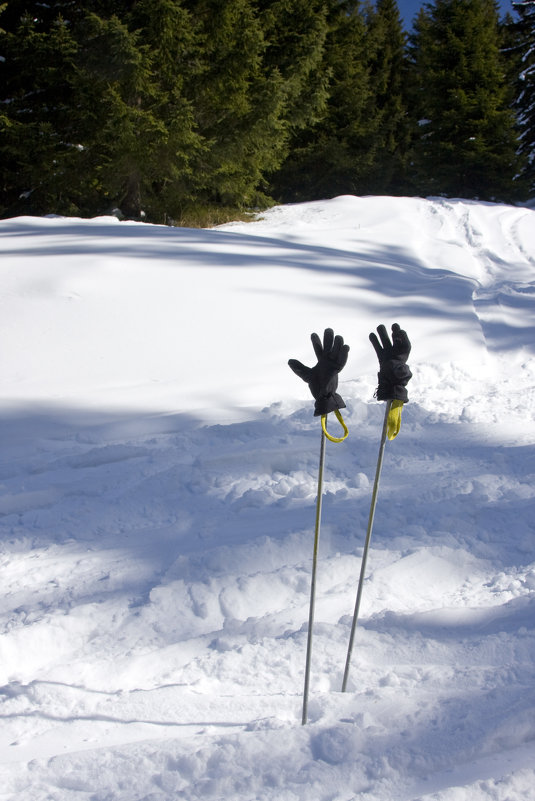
{"x":313,"y":579}
{"x":366,"y":545}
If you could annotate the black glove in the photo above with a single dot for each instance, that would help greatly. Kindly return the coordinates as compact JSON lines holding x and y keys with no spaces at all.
{"x":394,"y":374}
{"x":323,"y":378}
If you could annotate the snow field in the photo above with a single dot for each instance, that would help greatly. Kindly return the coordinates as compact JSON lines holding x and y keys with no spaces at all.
{"x":158,"y":483}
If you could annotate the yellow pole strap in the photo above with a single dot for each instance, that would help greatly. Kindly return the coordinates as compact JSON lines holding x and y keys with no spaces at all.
{"x":342,"y":423}
{"x":393,"y":423}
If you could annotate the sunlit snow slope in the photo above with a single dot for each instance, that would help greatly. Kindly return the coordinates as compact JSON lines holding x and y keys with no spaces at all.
{"x":158,"y":477}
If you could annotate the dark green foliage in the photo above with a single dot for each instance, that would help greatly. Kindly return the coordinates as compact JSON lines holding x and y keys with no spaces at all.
{"x":236,"y":105}
{"x":101,"y":128}
{"x":329,"y":155}
{"x":385,"y":52}
{"x":522,"y":32}
{"x":150,"y":141}
{"x":38,"y":81}
{"x":262,"y":80}
{"x":468,"y":139}
{"x":295,"y":33}
{"x":202,"y":109}
{"x":359,"y":143}
{"x":155,"y":106}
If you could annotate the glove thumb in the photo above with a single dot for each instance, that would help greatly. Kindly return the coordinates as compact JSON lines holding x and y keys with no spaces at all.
{"x":300,"y":369}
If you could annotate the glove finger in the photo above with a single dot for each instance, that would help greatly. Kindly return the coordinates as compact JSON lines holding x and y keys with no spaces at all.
{"x":342,"y":357}
{"x":300,"y":369}
{"x":401,"y":340}
{"x":377,"y":346}
{"x":336,"y":345}
{"x":316,"y":344}
{"x":328,"y":338}
{"x":339,"y":351}
{"x":383,"y":334}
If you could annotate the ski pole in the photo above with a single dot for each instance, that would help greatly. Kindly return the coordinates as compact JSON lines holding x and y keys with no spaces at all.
{"x":313,"y":579}
{"x":394,"y":375}
{"x":322,"y":380}
{"x":324,"y":435}
{"x":367,"y":543}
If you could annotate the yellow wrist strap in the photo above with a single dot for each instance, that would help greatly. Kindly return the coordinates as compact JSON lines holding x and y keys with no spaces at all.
{"x":342,"y":423}
{"x":393,"y":422}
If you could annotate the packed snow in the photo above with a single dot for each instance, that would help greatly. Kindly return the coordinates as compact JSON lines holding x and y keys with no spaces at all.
{"x":158,"y":482}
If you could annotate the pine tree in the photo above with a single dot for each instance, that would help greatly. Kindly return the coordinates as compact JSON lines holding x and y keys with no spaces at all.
{"x":468,"y":138}
{"x":332,"y":155}
{"x":121,"y":129}
{"x":524,"y":31}
{"x":385,"y":52}
{"x":296,"y":32}
{"x":235,"y":108}
{"x":154,"y":107}
{"x":259,"y":80}
{"x":36,"y":75}
{"x":95,"y":118}
{"x":164,"y":161}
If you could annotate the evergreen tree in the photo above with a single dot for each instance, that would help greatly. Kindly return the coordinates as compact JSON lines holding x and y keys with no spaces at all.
{"x":295,"y":32}
{"x":236,"y":108}
{"x":468,"y":138}
{"x":122,"y":130}
{"x":359,"y":144}
{"x":152,"y":106}
{"x":385,"y":51}
{"x":259,"y":80}
{"x":36,"y":75}
{"x":332,"y":155}
{"x":93,"y":119}
{"x":159,"y":164}
{"x":524,"y":30}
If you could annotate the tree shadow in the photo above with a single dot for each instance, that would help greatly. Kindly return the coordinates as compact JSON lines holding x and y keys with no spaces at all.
{"x":420,"y":289}
{"x":134,"y":500}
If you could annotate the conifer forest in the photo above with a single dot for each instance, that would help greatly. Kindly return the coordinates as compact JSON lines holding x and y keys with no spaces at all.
{"x":190,"y":112}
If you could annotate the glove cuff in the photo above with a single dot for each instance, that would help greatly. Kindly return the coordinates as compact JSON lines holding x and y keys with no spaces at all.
{"x":392,"y":392}
{"x":328,"y":403}
{"x":393,"y":378}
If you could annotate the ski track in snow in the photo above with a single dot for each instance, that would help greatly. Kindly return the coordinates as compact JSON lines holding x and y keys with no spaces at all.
{"x":157,"y":493}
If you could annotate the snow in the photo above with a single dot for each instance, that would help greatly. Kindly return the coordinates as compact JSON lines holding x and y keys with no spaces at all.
{"x":157,"y":498}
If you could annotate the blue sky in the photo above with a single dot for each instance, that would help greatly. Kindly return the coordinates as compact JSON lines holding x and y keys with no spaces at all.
{"x":409,"y":9}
